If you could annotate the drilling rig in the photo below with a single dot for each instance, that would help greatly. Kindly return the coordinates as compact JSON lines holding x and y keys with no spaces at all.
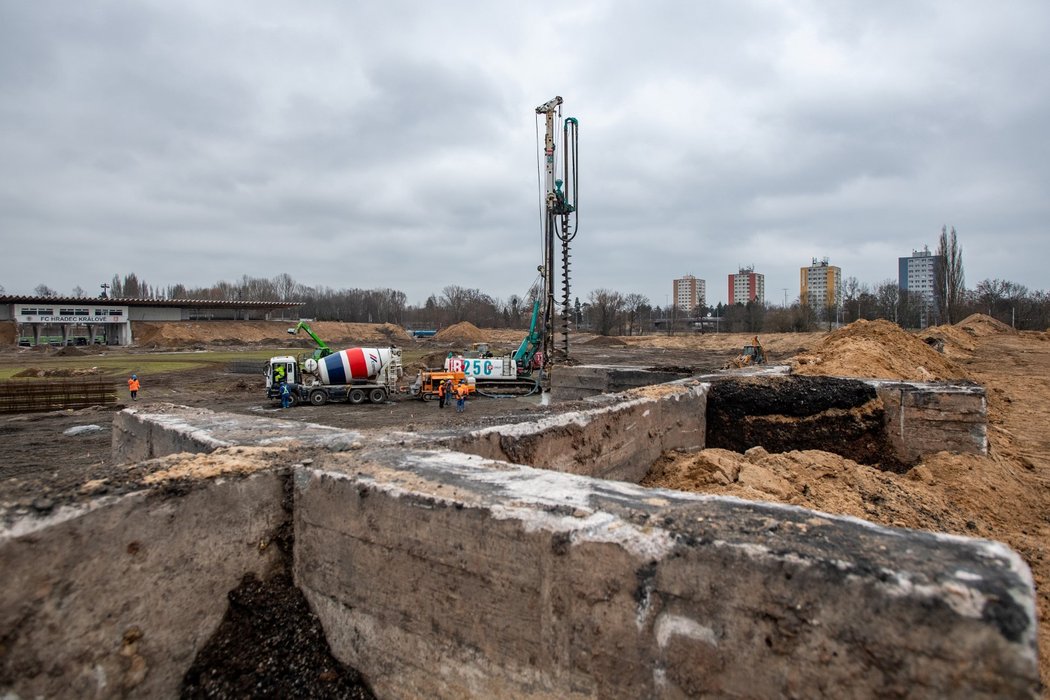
{"x":560,"y":222}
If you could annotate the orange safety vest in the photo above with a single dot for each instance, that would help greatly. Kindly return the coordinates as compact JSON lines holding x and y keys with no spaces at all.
{"x":441,"y":389}
{"x":133,"y":385}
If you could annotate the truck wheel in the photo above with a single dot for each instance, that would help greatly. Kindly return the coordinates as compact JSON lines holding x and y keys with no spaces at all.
{"x":428,"y":396}
{"x":318,"y":397}
{"x":356,"y":396}
{"x":377,"y":396}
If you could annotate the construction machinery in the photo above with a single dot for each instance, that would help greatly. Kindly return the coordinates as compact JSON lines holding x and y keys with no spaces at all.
{"x":355,"y":375}
{"x":527,"y":369}
{"x":560,"y":222}
{"x":752,"y":354}
{"x":427,"y":382}
{"x":322,"y":348}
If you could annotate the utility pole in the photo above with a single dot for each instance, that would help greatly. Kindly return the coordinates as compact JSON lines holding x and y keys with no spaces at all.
{"x":785,"y":296}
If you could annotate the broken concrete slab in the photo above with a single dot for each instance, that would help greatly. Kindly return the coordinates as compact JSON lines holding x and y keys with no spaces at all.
{"x":618,"y":438}
{"x":447,"y":575}
{"x":116,"y":596}
{"x":162,"y":429}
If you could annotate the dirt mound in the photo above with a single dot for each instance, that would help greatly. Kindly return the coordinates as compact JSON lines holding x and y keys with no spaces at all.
{"x":812,"y":479}
{"x":877,"y":350}
{"x":180,"y":334}
{"x":951,"y":340}
{"x":981,"y":325}
{"x":58,"y":372}
{"x":7,"y":333}
{"x":69,"y":351}
{"x":606,"y":341}
{"x":464,"y":332}
{"x":395,"y":334}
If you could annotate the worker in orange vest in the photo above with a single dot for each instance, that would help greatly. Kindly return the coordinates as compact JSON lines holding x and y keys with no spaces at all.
{"x":441,"y":394}
{"x":133,"y":387}
{"x":461,"y":397}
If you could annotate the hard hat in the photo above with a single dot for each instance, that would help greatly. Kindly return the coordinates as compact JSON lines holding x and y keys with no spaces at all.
{"x":134,"y":376}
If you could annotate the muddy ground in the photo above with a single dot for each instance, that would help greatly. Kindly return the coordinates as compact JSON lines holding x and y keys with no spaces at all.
{"x":1003,"y":496}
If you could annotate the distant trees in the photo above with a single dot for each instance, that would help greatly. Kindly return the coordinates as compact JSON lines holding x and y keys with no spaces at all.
{"x":606,"y":306}
{"x":610,"y":312}
{"x":949,"y":281}
{"x":42,"y":290}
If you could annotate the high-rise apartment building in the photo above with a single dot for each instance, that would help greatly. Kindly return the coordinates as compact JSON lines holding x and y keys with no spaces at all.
{"x":747,"y":285}
{"x":820,"y":285}
{"x":689,"y":294}
{"x":918,"y":276}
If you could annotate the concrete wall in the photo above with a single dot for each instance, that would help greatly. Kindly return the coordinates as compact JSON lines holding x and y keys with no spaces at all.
{"x":162,"y":429}
{"x":115,"y":598}
{"x":619,"y":440}
{"x":574,"y":382}
{"x":446,"y":575}
{"x":922,"y":419}
{"x":438,"y":573}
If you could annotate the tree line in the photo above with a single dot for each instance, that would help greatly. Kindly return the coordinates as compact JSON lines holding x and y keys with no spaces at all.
{"x":610,"y":312}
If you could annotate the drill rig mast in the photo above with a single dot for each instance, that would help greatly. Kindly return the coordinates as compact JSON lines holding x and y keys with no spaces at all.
{"x":560,"y":221}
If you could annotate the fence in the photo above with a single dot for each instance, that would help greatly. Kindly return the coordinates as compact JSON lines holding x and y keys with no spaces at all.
{"x":246,"y":367}
{"x":53,"y":395}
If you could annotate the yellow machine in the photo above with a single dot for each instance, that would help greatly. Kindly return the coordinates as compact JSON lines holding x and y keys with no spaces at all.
{"x":427,"y":383}
{"x":752,"y":354}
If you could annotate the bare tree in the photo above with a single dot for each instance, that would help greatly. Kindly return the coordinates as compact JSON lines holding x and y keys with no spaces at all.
{"x":949,"y":281}
{"x":42,"y":290}
{"x":605,"y":307}
{"x":632,"y":303}
{"x":78,"y":291}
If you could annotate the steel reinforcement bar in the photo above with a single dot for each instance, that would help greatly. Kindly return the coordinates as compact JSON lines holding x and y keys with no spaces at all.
{"x":53,"y":395}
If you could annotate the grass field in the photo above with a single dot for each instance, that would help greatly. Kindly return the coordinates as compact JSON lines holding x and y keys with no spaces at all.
{"x":121,"y":363}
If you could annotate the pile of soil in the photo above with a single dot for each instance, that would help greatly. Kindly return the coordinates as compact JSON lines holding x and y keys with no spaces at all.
{"x":270,"y":644}
{"x":461,"y":333}
{"x":7,"y":333}
{"x":822,"y":481}
{"x":608,"y":341}
{"x":877,"y":350}
{"x":981,"y":325}
{"x":954,"y":342}
{"x":69,"y":351}
{"x":57,"y":372}
{"x":177,"y":334}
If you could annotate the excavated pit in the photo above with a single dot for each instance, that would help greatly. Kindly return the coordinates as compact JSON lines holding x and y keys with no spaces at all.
{"x":781,"y":414}
{"x":512,"y":561}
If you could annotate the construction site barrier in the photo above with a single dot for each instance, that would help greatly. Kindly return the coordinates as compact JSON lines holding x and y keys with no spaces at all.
{"x":246,"y":367}
{"x":31,"y":396}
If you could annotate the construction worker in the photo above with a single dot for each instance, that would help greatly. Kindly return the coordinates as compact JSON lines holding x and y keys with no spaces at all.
{"x":278,"y":374}
{"x":133,"y":387}
{"x":286,"y":395}
{"x":461,"y":397}
{"x":441,"y":394}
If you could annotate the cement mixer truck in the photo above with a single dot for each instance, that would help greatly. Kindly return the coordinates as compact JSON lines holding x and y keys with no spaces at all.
{"x":355,"y":375}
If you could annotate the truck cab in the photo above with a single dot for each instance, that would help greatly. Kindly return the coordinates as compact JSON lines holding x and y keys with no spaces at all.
{"x":280,"y":370}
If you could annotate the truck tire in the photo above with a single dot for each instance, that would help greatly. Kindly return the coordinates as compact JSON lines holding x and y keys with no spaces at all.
{"x":318,"y":397}
{"x":377,"y":395}
{"x":355,"y":396}
{"x":428,"y":396}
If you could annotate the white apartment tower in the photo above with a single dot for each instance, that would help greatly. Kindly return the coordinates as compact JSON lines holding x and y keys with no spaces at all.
{"x":918,"y":275}
{"x":689,"y":294}
{"x":746,"y":286}
{"x":820,"y":285}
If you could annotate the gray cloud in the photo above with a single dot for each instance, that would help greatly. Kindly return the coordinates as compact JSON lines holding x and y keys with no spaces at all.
{"x":394,"y":145}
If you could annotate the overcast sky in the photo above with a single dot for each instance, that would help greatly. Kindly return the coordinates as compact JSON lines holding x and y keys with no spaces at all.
{"x":393,"y":144}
